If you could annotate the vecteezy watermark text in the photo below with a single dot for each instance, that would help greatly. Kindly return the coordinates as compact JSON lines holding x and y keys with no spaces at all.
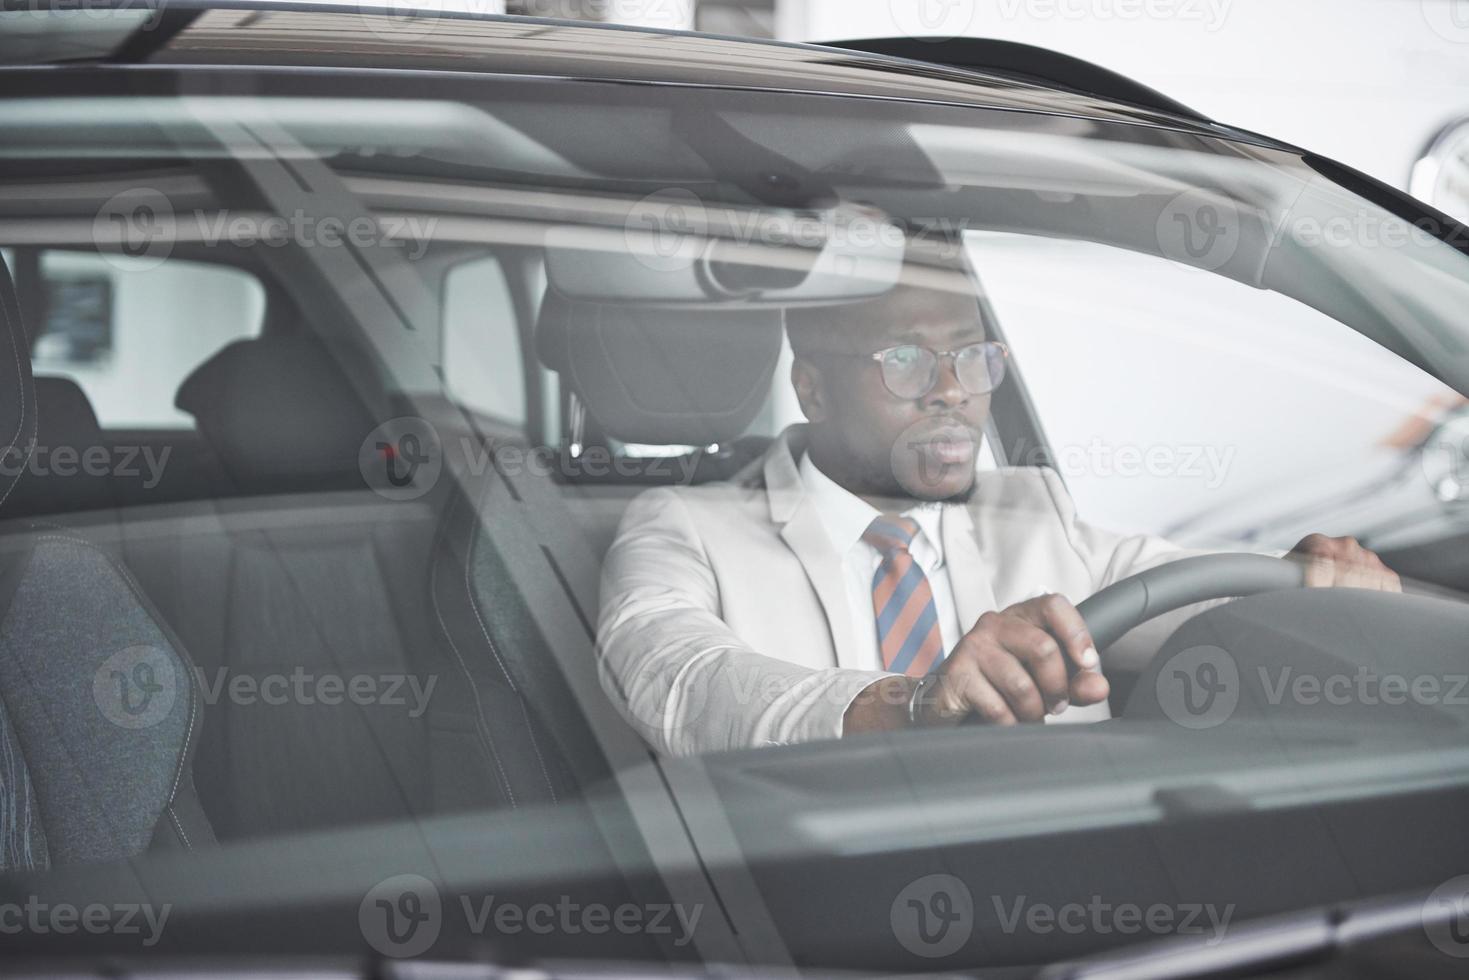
{"x":138,"y":687}
{"x":404,"y":915}
{"x":1099,"y":917}
{"x":142,"y":224}
{"x":403,"y":458}
{"x":37,"y":917}
{"x":146,"y":463}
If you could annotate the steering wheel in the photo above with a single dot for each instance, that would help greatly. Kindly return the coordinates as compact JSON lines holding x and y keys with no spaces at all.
{"x":1119,"y":607}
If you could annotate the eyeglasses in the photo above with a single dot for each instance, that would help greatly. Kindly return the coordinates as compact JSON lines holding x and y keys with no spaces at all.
{"x":910,"y":371}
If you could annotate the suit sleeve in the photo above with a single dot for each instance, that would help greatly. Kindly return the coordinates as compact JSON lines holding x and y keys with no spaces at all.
{"x":673,"y":666}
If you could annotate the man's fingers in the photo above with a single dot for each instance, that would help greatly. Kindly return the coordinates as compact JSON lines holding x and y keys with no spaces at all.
{"x":1089,"y":687}
{"x":1009,"y":676}
{"x":1344,"y":563}
{"x":1320,"y":572}
{"x":1056,"y":615}
{"x":1040,"y":655}
{"x":981,"y":698}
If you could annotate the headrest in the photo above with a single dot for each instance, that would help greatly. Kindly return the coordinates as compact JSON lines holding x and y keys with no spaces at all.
{"x":17,"y":393}
{"x":66,"y":413}
{"x":280,"y":414}
{"x":65,"y":422}
{"x":688,"y":377}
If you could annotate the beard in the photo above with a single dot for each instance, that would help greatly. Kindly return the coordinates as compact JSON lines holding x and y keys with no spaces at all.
{"x":879,"y":478}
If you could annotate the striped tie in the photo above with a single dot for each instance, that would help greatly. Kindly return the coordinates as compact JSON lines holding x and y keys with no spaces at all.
{"x":907,"y":620}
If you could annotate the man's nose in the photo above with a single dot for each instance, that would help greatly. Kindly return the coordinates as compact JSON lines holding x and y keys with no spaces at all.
{"x":947,"y":391}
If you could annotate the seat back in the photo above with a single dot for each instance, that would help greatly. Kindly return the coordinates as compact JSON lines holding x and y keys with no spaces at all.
{"x":99,"y":708}
{"x":295,"y":582}
{"x":66,"y":423}
{"x":658,"y":376}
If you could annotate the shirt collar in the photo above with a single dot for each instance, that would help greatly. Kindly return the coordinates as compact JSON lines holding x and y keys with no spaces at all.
{"x":846,"y":516}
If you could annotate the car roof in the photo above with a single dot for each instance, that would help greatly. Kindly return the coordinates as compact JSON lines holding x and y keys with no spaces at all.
{"x":449,"y":36}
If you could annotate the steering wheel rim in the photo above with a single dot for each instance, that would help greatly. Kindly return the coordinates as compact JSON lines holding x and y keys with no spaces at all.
{"x":1133,"y":601}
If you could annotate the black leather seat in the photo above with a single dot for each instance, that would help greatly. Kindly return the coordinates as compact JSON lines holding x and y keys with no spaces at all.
{"x":66,"y":422}
{"x":531,"y":716}
{"x":295,"y":569}
{"x":663,"y":377}
{"x":99,"y":708}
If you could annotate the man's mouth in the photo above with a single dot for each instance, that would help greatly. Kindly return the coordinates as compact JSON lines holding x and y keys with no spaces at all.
{"x":948,"y":447}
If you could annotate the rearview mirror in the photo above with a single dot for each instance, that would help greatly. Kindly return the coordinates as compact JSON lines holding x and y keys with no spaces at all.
{"x":672,"y":249}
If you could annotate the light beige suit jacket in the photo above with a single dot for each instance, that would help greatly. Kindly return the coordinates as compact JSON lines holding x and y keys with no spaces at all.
{"x":723,"y":606}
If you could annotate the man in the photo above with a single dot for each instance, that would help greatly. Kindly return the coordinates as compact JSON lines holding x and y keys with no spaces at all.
{"x":863,"y":576}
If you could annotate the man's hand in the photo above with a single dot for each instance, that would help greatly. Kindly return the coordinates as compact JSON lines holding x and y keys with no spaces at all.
{"x":1019,"y":664}
{"x":1343,"y":563}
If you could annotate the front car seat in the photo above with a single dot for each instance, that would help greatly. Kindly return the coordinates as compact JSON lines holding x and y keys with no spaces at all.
{"x":99,"y":707}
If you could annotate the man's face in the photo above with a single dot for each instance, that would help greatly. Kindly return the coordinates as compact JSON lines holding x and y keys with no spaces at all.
{"x":866,"y":438}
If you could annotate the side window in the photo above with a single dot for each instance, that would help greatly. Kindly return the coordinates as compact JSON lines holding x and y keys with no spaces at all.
{"x":128,"y":333}
{"x":483,"y":368}
{"x":1183,"y":403}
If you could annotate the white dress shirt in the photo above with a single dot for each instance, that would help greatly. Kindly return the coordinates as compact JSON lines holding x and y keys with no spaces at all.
{"x":846,"y":518}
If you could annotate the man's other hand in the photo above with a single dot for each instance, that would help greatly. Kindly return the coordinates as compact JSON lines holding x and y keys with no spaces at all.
{"x":1343,"y":563}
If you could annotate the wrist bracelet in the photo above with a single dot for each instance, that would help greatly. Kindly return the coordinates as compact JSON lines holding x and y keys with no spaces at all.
{"x":919,"y":690}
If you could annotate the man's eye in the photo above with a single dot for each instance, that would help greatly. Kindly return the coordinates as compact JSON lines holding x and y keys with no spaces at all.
{"x":904,"y":356}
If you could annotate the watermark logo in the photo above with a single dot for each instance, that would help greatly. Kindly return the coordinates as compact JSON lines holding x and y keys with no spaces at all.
{"x":667,"y":230}
{"x":139,"y":224}
{"x":1199,"y":687}
{"x":400,"y":20}
{"x":136,"y":688}
{"x":1449,"y":19}
{"x":404,"y":915}
{"x":1365,"y":687}
{"x":410,"y":692}
{"x":927,"y":473}
{"x":568,"y":917}
{"x":1099,"y":917}
{"x":1210,"y":13}
{"x":1446,"y":917}
{"x":933,"y":20}
{"x":143,"y":464}
{"x":58,"y":12}
{"x":138,"y":228}
{"x":402,"y":459}
{"x":1206,"y":465}
{"x":1199,"y":228}
{"x":97,"y":919}
{"x":933,"y":916}
{"x":665,"y":14}
{"x":401,"y":916}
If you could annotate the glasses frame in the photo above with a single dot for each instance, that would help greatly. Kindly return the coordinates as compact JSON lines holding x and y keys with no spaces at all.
{"x":939,"y":355}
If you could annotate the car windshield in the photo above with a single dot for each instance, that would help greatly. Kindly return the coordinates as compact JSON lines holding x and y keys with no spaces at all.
{"x":463,"y":518}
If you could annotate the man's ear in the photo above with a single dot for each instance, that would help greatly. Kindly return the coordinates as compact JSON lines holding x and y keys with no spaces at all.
{"x":806,"y":379}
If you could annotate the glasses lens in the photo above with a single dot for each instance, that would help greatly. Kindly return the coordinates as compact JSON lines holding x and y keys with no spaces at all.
{"x":980,"y":367}
{"x":908,"y":371}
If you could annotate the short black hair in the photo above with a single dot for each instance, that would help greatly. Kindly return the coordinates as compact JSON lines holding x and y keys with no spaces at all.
{"x":929,"y":266}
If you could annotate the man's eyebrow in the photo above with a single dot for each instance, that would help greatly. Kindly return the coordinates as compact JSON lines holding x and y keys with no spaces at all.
{"x":951,"y":329}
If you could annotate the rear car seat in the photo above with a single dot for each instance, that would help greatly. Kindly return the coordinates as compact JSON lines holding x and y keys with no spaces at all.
{"x":66,"y":421}
{"x":294,"y":569}
{"x":99,"y":713}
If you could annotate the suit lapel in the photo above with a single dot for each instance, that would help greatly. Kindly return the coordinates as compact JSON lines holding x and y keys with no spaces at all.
{"x":802,"y":531}
{"x":969,"y":575}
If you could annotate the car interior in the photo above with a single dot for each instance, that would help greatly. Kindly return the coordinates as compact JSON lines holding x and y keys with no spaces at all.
{"x":263,"y":545}
{"x":260,"y":551}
